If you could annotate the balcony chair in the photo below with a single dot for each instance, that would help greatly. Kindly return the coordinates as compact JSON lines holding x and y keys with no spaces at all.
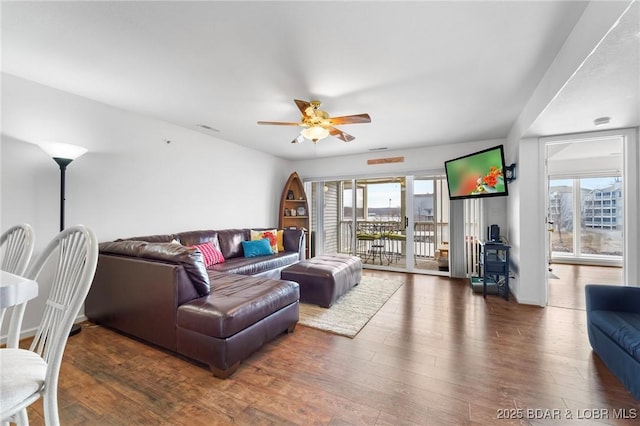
{"x":368,"y":243}
{"x":26,"y":375}
{"x":397,"y":242}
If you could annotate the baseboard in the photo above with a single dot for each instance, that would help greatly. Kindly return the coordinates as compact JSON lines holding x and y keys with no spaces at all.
{"x":30,"y":332}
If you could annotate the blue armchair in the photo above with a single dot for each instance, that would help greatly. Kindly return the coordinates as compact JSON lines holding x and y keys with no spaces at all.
{"x":613,"y":324}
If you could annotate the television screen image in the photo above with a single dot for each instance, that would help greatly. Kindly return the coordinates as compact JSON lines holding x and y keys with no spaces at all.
{"x":480,"y":174}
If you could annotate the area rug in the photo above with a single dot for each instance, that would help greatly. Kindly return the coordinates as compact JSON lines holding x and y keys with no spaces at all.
{"x":353,"y":310}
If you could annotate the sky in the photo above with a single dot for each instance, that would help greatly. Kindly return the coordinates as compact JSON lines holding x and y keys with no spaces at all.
{"x":381,"y":193}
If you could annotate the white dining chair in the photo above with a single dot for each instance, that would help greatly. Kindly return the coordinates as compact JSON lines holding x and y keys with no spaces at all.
{"x":27,"y":375}
{"x":16,"y":247}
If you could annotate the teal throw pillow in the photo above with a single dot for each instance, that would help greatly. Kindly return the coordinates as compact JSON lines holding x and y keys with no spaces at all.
{"x":257,"y":248}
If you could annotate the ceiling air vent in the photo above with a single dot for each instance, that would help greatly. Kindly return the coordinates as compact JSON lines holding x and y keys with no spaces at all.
{"x":211,"y":129}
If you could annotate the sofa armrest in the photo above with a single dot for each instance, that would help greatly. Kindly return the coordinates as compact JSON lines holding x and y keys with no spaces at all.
{"x":294,"y":240}
{"x":189,"y":258}
{"x":612,"y":298}
{"x":139,"y":297}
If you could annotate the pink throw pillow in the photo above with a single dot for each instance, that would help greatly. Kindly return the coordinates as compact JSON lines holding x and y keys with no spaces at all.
{"x":210,"y":254}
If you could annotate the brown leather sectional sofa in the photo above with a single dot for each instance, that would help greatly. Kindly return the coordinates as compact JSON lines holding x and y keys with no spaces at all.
{"x":160,"y":292}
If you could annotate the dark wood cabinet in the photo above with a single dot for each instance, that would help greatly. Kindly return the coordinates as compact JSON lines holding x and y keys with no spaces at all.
{"x":294,"y":209}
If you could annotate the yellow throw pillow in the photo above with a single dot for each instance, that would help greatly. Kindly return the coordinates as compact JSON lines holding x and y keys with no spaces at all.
{"x":280,"y":240}
{"x":270,"y":234}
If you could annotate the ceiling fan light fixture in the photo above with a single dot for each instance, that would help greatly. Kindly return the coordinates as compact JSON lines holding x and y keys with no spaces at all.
{"x":315,"y":133}
{"x":317,"y":124}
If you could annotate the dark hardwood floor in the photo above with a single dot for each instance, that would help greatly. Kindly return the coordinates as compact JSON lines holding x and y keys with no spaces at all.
{"x":435,"y":354}
{"x":566,"y":283}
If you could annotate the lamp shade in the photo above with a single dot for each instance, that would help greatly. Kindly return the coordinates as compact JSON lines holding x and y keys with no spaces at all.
{"x":315,"y":133}
{"x":62,"y":150}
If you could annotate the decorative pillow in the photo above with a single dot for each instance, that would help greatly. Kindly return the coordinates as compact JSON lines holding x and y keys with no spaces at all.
{"x":210,"y":254}
{"x":270,"y":234}
{"x":256,"y":248}
{"x":280,"y":240}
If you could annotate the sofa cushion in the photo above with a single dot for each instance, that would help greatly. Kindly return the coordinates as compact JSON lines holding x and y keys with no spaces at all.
{"x":193,"y":238}
{"x":622,"y":327}
{"x":160,"y":238}
{"x":255,"y":265}
{"x":236,"y":303}
{"x":231,"y":242}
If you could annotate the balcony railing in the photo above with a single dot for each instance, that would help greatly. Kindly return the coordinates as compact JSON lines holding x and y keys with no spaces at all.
{"x":387,"y":238}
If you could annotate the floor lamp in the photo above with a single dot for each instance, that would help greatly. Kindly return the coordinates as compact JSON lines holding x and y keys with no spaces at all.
{"x":63,"y":154}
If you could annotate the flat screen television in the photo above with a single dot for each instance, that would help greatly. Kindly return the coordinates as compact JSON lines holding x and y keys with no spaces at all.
{"x":476,"y":175}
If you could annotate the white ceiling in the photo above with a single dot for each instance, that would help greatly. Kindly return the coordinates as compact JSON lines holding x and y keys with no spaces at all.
{"x":607,"y":85}
{"x":428,"y":73}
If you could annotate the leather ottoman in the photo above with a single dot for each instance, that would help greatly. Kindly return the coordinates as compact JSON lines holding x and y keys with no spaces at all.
{"x":323,"y":279}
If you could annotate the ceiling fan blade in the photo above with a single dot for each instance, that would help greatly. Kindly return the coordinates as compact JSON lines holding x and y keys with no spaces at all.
{"x":280,"y":123}
{"x":302,"y":106}
{"x":340,"y":134}
{"x":351,"y":119}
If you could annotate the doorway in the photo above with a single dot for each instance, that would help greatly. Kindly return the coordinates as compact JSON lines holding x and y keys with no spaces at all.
{"x":395,"y":223}
{"x":585,"y":201}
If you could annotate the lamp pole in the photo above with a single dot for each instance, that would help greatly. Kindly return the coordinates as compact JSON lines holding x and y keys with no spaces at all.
{"x":63,"y":163}
{"x":63,"y":154}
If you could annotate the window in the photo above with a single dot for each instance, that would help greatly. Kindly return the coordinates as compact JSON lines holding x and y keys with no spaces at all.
{"x":347,"y":202}
{"x":589,"y":202}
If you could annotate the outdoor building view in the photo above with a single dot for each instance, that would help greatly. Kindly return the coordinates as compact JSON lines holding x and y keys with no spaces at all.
{"x":585,"y":215}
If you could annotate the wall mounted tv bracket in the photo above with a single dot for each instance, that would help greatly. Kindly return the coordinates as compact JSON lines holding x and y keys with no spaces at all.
{"x":510,"y":172}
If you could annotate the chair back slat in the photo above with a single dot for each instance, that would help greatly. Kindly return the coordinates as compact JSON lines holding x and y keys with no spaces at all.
{"x":16,"y":248}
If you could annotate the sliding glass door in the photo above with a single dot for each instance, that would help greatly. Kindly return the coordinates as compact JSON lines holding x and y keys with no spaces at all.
{"x":431,"y":223}
{"x":393,"y":223}
{"x":381,"y":226}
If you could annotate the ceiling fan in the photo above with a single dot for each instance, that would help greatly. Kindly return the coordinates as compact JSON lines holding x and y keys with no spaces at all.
{"x":317,"y":123}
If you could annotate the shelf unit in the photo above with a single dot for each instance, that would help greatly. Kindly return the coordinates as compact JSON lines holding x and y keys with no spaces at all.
{"x":294,"y":198}
{"x":494,"y":262}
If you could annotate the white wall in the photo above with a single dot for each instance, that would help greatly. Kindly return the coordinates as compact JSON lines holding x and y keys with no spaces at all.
{"x":131,"y":182}
{"x":527,"y":228}
{"x":416,"y":161}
